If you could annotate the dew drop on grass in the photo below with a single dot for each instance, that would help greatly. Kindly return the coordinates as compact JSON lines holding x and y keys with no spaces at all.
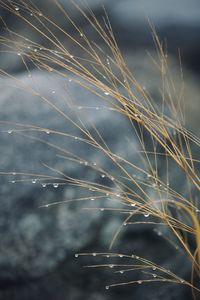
{"x":94,"y":254}
{"x":111,"y":266}
{"x":47,"y":205}
{"x":154,"y":275}
{"x":92,"y":199}
{"x":13,"y":173}
{"x":121,"y":256}
{"x":10,"y":131}
{"x":146,"y":215}
{"x":101,"y":209}
{"x":153,"y":268}
{"x":33,"y":180}
{"x":55,"y":185}
{"x":106,"y":93}
{"x":17,"y":8}
{"x":53,"y":92}
{"x":44,"y":185}
{"x":13,"y":181}
{"x":47,"y":132}
{"x":103,"y":175}
{"x":121,"y":272}
{"x":125,"y":224}
{"x":139,"y":281}
{"x":107,"y":287}
{"x":76,"y":255}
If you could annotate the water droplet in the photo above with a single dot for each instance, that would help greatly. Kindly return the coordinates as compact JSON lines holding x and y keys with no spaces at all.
{"x":107,"y":256}
{"x":47,"y":132}
{"x":13,"y":181}
{"x":103,"y":175}
{"x":94,"y":254}
{"x":121,"y":272}
{"x":76,"y":255}
{"x":53,"y":92}
{"x":55,"y":185}
{"x":97,"y":107}
{"x":71,"y":56}
{"x":125,"y":224}
{"x":153,"y":268}
{"x":10,"y":131}
{"x":70,"y":80}
{"x":33,"y":180}
{"x":13,"y":173}
{"x":35,"y":50}
{"x":118,"y":195}
{"x":154,"y":275}
{"x":47,"y":205}
{"x":79,"y":107}
{"x":139,"y":281}
{"x":86,"y":163}
{"x":121,"y":256}
{"x":81,"y":34}
{"x":92,"y":199}
{"x":76,"y":138}
{"x":182,"y":281}
{"x":40,"y":14}
{"x":17,"y":8}
{"x":148,"y":175}
{"x":111,"y":266}
{"x":159,"y":233}
{"x":106,"y":93}
{"x":44,"y":185}
{"x":133,"y":204}
{"x":101,"y":209}
{"x":146,"y":215}
{"x":137,"y":257}
{"x":94,"y":164}
{"x":107,"y":287}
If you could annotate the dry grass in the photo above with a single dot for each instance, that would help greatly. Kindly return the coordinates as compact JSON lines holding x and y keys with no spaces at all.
{"x":103,"y":70}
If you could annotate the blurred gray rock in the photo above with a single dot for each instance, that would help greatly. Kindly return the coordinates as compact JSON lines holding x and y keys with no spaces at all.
{"x":38,"y":243}
{"x":37,"y":238}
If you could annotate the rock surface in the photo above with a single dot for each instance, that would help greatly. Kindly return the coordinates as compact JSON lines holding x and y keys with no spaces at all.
{"x":38,"y":248}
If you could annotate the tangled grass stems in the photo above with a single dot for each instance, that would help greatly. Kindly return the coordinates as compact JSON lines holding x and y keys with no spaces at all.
{"x":103,"y":71}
